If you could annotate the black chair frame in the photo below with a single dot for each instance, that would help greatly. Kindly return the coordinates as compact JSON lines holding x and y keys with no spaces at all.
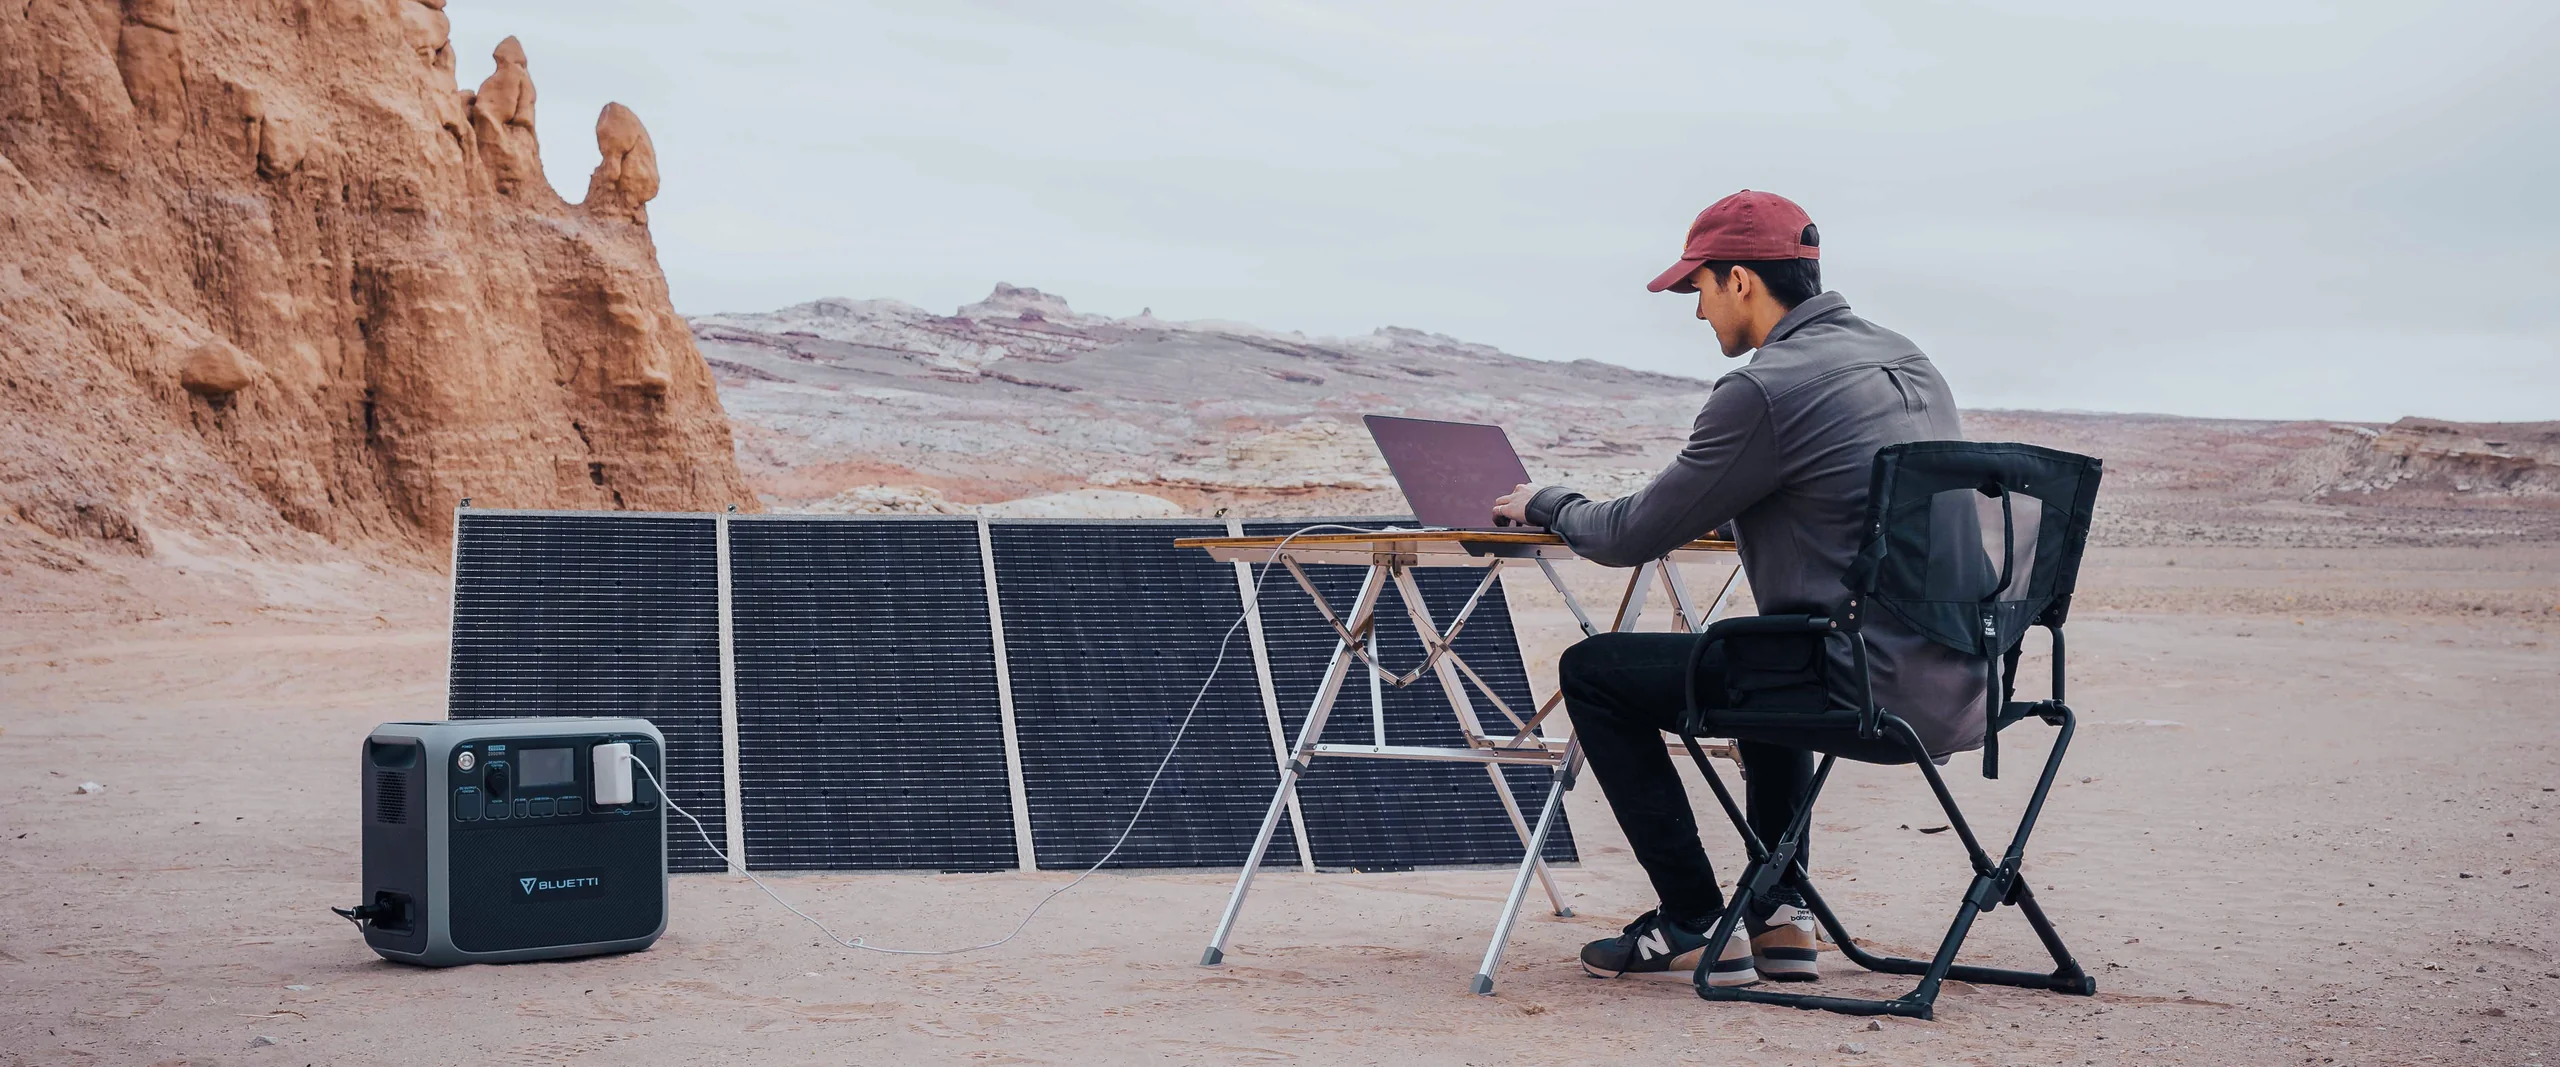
{"x":1995,"y":882}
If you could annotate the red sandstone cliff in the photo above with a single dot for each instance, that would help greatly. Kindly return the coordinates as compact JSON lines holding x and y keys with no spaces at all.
{"x":263,"y":266}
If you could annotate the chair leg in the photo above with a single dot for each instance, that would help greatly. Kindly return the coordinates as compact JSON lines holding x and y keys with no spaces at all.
{"x":2066,"y":973}
{"x":1993,"y":885}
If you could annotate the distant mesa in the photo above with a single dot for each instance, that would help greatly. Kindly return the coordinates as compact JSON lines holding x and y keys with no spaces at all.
{"x":2430,"y":456}
{"x":1018,"y":395}
{"x":1023,"y":304}
{"x":1022,"y":323}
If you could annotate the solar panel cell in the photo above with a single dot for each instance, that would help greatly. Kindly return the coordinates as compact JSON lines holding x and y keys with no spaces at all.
{"x":869,"y":733}
{"x":598,"y":614}
{"x":1110,"y":631}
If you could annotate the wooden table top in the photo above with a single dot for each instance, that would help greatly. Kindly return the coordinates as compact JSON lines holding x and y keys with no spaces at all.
{"x":1427,"y":548}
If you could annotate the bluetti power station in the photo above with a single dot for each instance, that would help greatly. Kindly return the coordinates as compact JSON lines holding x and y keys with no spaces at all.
{"x":496,"y":840}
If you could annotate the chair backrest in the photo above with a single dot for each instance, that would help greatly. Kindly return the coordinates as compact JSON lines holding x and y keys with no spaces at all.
{"x":1971,"y":543}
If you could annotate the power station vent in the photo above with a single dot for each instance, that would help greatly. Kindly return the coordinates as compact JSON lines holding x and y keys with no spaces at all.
{"x":391,"y":797}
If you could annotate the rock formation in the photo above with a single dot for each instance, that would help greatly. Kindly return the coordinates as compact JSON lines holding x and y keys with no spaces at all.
{"x":502,"y":121}
{"x":264,"y":267}
{"x":627,"y":178}
{"x":2517,"y":461}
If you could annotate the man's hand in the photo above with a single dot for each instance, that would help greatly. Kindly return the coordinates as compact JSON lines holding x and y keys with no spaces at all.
{"x":1512,"y":508}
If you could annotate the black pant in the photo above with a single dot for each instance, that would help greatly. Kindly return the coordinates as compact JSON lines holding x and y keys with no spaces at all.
{"x":1623,"y":690}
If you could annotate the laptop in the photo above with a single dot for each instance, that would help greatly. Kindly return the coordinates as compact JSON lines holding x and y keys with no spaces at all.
{"x":1451,"y":472}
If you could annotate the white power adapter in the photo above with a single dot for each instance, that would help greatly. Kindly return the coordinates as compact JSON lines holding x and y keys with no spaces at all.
{"x":612,"y":776}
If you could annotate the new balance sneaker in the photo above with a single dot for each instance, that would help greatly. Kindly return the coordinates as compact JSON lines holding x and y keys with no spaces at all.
{"x":1782,"y":948}
{"x":1656,"y":947}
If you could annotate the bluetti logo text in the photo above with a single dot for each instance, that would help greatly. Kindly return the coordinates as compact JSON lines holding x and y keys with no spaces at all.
{"x":540,"y":886}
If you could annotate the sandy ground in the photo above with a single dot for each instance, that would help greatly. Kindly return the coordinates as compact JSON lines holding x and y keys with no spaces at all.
{"x":2312,"y":823}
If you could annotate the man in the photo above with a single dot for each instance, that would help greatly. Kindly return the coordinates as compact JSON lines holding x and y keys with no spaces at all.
{"x":1783,"y":449}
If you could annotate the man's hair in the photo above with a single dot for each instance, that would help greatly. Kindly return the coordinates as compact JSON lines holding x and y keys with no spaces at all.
{"x":1790,"y":281}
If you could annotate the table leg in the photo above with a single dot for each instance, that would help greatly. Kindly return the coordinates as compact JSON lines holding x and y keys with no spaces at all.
{"x":1731,"y":578}
{"x":1483,"y":983}
{"x":1631,"y":606}
{"x":1520,"y":825}
{"x":1571,"y":604}
{"x":1363,"y":612}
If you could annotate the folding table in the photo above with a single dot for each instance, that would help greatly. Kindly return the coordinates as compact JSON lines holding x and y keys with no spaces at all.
{"x":1390,"y":557}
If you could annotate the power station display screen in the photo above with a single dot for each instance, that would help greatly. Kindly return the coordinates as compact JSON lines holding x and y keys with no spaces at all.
{"x":544,"y":768}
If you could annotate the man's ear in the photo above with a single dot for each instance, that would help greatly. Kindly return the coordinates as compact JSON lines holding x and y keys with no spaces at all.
{"x":1745,"y":282}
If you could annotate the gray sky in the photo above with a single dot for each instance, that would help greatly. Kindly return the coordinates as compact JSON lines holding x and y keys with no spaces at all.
{"x":2251,"y":208}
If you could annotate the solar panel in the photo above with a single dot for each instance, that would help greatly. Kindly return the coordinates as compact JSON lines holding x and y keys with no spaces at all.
{"x":1390,"y":814}
{"x":869,"y":732}
{"x":604,"y":613}
{"x":1109,"y":631}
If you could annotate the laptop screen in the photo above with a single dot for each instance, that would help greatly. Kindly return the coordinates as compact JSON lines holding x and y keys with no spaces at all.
{"x":1451,"y":472}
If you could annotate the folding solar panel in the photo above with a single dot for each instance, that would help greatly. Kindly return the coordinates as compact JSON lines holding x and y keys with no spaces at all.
{"x":869,"y":730}
{"x":598,"y":613}
{"x":1110,"y":631}
{"x":1375,"y":814}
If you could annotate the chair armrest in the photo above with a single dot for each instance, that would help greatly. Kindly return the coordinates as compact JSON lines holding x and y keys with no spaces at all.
{"x":1771,"y":662}
{"x":1769,"y":624}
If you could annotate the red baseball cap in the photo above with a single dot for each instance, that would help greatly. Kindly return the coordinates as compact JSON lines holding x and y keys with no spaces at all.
{"x":1746,"y":226}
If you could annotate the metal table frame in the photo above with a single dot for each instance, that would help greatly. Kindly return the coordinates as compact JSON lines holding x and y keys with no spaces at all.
{"x":1391,"y":558}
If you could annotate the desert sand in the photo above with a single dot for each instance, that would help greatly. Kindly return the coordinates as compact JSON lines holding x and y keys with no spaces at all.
{"x":276,"y":291}
{"x":2310,"y":819}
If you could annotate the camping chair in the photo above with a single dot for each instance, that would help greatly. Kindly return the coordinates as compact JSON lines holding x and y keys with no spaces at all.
{"x":1968,"y":544}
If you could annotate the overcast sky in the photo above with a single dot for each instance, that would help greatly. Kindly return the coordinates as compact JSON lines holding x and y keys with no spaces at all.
{"x":2247,"y":208}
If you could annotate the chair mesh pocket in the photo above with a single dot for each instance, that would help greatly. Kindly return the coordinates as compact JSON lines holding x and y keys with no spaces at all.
{"x":1775,"y":672}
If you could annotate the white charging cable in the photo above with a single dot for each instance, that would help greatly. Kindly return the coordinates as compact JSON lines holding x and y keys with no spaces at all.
{"x":1260,"y":573}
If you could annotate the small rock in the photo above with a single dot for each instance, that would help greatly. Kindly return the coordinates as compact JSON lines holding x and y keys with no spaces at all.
{"x":89,"y":787}
{"x":1873,"y":1026}
{"x":2495,"y":1013}
{"x":2482,"y":969}
{"x":2431,"y":966}
{"x":216,"y":368}
{"x":1853,"y":1048}
{"x":299,"y":988}
{"x":261,"y":1041}
{"x":2467,"y":874}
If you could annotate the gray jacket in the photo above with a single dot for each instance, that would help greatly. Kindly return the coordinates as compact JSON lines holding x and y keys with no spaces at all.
{"x":1784,"y":450}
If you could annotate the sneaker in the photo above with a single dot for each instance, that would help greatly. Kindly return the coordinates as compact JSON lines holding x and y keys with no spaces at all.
{"x":1782,"y":949}
{"x":1656,"y":947}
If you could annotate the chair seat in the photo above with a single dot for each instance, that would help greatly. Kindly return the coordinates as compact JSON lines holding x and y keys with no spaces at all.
{"x":1731,"y":718}
{"x":1832,"y":733}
